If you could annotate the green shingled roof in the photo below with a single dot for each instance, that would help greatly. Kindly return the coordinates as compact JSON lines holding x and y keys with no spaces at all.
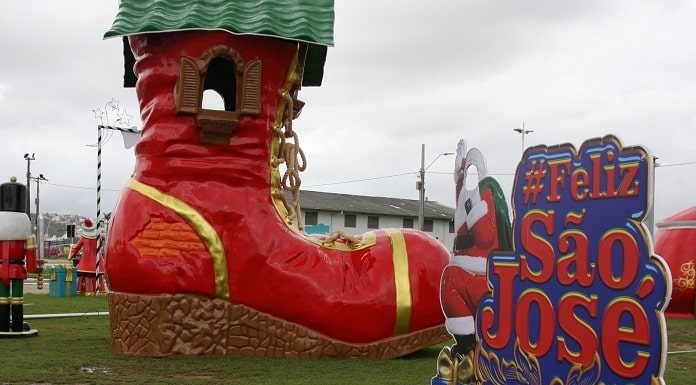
{"x":308,"y":21}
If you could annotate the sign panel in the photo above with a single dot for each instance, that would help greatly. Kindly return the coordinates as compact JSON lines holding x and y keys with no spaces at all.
{"x":580,"y":300}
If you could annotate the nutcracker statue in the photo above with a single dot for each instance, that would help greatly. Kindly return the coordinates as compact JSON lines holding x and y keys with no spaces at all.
{"x":17,"y":257}
{"x":87,"y":275}
{"x":482,"y":225}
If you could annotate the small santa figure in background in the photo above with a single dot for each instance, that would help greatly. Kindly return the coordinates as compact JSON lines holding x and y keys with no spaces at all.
{"x":17,"y":257}
{"x":87,"y":267}
{"x":482,"y":225}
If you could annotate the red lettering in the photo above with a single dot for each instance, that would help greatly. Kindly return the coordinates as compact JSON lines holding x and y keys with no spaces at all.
{"x":628,"y":172}
{"x":615,"y":336}
{"x":506,"y":272}
{"x":579,"y":180}
{"x":545,"y":326}
{"x":596,"y":177}
{"x":629,"y":259}
{"x":577,"y":329}
{"x":537,"y":246}
{"x":557,"y":178}
{"x":609,"y":172}
{"x":584,"y":272}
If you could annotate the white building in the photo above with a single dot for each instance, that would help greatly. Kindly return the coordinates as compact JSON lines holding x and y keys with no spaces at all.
{"x":324,"y":213}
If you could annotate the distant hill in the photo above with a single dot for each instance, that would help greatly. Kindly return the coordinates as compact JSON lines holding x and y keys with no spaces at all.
{"x":55,"y":225}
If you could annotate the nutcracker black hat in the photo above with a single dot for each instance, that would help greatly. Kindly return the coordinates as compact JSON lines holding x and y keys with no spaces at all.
{"x":13,"y":196}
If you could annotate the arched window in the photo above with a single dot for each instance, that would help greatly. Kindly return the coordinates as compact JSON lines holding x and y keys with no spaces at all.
{"x":212,"y":100}
{"x":221,"y":71}
{"x":221,"y":77}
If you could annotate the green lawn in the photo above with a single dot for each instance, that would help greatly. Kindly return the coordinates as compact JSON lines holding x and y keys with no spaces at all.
{"x":77,"y":351}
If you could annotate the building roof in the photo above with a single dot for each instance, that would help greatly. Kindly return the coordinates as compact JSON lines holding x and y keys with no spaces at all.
{"x":309,"y":21}
{"x":361,"y":204}
{"x":683,"y":218}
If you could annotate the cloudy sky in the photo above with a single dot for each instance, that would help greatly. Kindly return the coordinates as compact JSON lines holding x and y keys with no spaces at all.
{"x":401,"y":74}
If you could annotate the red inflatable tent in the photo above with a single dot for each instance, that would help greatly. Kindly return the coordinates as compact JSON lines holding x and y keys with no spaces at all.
{"x":675,"y":241}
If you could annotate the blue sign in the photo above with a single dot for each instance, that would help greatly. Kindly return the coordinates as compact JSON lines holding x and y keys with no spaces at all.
{"x":580,"y":300}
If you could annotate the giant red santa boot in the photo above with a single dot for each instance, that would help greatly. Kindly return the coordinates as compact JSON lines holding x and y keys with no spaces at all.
{"x":482,"y":225}
{"x":202,"y":237}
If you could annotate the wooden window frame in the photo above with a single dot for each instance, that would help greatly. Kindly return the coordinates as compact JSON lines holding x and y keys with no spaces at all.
{"x":217,"y":126}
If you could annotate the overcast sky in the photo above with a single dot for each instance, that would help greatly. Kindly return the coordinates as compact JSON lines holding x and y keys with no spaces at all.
{"x":401,"y":74}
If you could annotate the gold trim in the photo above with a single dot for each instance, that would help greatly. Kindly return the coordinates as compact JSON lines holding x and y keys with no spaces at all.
{"x":30,"y":243}
{"x":687,"y":277}
{"x":16,"y":300}
{"x":204,"y":229}
{"x":402,"y":282}
{"x":4,"y":300}
{"x":455,"y":369}
{"x":275,"y":147}
{"x":367,"y":240}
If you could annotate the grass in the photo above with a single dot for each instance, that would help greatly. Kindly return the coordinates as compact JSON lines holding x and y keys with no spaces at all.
{"x":77,"y":351}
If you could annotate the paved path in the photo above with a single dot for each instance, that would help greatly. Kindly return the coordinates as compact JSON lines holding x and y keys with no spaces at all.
{"x":30,"y":287}
{"x":30,"y":283}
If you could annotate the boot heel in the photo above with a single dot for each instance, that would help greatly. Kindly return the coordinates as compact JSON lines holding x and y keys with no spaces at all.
{"x":162,"y":325}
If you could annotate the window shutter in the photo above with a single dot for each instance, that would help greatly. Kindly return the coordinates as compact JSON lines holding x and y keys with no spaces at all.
{"x":251,"y":91}
{"x":188,"y":88}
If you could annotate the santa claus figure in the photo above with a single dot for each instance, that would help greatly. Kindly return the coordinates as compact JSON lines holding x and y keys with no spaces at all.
{"x":87,"y":276}
{"x":482,"y":225}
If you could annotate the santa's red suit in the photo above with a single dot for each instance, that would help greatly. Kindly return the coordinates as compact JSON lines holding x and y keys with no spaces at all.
{"x":477,"y":234}
{"x":86,"y":268}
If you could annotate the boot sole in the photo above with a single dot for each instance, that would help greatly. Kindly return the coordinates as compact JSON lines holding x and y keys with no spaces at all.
{"x":162,"y":325}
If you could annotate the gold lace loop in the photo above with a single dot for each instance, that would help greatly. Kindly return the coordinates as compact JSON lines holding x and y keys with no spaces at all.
{"x":294,"y":158}
{"x":336,"y":235}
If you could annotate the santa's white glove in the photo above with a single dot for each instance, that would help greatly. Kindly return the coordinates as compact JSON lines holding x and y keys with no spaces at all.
{"x":479,"y":209}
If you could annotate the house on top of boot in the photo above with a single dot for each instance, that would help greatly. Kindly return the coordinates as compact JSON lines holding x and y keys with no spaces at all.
{"x":307,"y":22}
{"x":203,"y":253}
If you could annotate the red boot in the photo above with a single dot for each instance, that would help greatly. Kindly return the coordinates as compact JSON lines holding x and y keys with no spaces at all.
{"x":201,"y":258}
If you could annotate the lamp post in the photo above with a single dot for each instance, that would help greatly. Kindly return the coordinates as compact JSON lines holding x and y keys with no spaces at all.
{"x":38,"y":180}
{"x":524,"y":132}
{"x":28,"y":203}
{"x":420,"y":186}
{"x":39,"y":219}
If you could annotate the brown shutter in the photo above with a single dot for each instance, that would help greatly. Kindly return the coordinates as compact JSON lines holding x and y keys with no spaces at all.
{"x":251,"y":91}
{"x":188,"y":88}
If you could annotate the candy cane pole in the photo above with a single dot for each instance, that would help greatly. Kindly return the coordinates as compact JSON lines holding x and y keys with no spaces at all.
{"x":99,"y":238}
{"x":100,"y":241}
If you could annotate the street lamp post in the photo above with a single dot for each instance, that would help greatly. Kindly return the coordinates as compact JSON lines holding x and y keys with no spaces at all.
{"x":38,"y":180}
{"x":28,"y":202}
{"x":421,"y":184}
{"x":524,"y":132}
{"x":39,"y":218}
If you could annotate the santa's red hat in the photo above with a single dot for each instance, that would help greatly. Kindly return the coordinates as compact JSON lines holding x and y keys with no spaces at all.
{"x":89,"y":230}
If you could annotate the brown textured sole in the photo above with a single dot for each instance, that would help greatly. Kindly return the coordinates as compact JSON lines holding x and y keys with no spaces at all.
{"x":161,"y":325}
